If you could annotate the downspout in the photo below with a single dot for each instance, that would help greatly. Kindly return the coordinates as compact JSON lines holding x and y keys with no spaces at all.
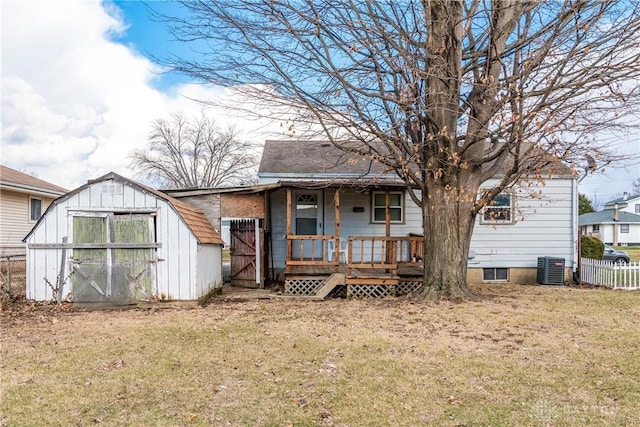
{"x":575,"y":233}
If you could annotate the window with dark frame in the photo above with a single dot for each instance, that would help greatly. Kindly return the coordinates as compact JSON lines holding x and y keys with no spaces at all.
{"x":499,"y":211}
{"x":637,"y":207}
{"x":624,"y":228}
{"x":378,"y":202}
{"x":596,"y":228}
{"x":35,"y":209}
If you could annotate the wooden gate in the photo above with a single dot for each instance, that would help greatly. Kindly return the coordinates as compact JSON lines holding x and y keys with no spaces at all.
{"x":247,"y":269}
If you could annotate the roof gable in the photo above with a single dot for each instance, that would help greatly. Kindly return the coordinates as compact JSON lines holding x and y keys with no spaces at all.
{"x":13,"y":178}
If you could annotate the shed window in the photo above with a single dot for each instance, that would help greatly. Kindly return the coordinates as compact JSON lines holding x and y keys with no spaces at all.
{"x":596,"y":228}
{"x":395,"y":206}
{"x":624,"y":228}
{"x":35,"y":209}
{"x":499,"y":211}
{"x":495,"y":274}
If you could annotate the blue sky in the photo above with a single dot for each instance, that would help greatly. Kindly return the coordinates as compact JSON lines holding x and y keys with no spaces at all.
{"x":79,"y":91}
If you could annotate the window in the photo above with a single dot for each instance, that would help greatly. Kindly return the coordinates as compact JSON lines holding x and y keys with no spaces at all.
{"x":624,"y":228}
{"x":495,"y":274}
{"x":306,"y":214}
{"x":637,"y":205}
{"x":378,"y":201}
{"x":500,"y":210}
{"x":35,"y":209}
{"x":596,"y":228}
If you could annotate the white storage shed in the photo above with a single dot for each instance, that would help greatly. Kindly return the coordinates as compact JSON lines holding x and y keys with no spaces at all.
{"x":114,"y":240}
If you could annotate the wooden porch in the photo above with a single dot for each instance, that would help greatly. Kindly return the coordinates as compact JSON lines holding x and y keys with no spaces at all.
{"x":369,"y":261}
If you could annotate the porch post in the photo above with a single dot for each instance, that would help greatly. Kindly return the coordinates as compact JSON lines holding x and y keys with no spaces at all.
{"x":289,"y":241}
{"x":387,"y":226}
{"x":336,"y":203}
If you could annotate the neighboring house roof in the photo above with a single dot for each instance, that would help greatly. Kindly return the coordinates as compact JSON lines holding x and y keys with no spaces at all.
{"x":16,"y":180}
{"x":193,"y":217}
{"x":606,"y":217}
{"x":621,"y":201}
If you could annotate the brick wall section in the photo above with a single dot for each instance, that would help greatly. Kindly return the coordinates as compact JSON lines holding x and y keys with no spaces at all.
{"x":217,"y":206}
{"x":242,"y":205}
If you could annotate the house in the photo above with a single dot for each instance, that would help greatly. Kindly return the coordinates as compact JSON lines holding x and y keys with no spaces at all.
{"x":23,"y":198}
{"x":329,"y":203}
{"x":116,"y":241}
{"x":617,"y":224}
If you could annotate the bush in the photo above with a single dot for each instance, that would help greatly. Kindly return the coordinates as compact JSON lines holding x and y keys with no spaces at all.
{"x":591,"y":247}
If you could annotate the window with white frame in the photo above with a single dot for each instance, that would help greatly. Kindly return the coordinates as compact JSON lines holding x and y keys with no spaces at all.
{"x":35,"y":208}
{"x":624,"y":228}
{"x":499,"y":274}
{"x":499,"y":211}
{"x":396,"y":206}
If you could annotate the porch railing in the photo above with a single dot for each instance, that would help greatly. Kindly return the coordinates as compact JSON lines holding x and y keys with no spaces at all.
{"x":309,"y":250}
{"x":363,"y":252}
{"x":385,"y":253}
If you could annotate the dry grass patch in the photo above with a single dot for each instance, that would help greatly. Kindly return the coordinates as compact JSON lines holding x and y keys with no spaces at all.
{"x":524,"y":355}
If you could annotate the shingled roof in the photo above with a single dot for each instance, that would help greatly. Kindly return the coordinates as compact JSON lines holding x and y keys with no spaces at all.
{"x":606,"y":217}
{"x":21,"y":181}
{"x":309,"y":157}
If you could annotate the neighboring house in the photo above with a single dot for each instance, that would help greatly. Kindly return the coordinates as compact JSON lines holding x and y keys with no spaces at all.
{"x":23,"y":198}
{"x":617,"y":224}
{"x":116,"y":241}
{"x":327,"y":202}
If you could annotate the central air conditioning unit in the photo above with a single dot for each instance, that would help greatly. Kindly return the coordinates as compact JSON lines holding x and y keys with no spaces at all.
{"x":550,"y":271}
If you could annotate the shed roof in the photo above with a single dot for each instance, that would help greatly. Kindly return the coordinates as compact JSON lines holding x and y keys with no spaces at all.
{"x":18,"y":180}
{"x":193,"y":217}
{"x":606,"y":217}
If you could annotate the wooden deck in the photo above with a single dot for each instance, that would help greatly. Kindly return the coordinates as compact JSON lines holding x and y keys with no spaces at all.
{"x":402,"y":271}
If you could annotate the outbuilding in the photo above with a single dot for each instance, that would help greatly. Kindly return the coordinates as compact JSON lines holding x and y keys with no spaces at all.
{"x":114,"y":240}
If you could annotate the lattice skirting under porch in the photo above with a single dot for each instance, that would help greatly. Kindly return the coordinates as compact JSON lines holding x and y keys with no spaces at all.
{"x":408,"y":287}
{"x":370,"y":291}
{"x":302,"y":286}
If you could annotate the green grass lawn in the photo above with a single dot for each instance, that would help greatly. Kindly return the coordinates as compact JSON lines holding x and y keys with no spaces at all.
{"x":521,"y":356}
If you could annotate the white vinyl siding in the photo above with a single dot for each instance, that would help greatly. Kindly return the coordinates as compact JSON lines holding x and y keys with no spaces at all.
{"x":15,"y":221}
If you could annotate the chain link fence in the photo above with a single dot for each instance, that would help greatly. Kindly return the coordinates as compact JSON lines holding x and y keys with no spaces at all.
{"x":13,"y":276}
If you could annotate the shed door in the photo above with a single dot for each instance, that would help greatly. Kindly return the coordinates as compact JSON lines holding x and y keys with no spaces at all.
{"x":246,"y":268}
{"x":108,"y":270}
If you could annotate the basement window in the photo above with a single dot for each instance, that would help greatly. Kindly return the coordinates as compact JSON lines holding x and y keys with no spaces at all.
{"x":499,"y":274}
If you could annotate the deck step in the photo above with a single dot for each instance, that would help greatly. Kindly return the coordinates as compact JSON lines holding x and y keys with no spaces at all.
{"x":332,"y":281}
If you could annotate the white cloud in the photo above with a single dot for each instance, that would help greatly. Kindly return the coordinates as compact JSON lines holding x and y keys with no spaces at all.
{"x":75,"y":103}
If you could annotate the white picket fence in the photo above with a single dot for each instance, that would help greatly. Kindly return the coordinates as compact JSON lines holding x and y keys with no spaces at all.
{"x":609,"y":274}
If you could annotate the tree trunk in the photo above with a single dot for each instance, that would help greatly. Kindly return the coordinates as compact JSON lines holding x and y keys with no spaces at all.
{"x":448,"y":224}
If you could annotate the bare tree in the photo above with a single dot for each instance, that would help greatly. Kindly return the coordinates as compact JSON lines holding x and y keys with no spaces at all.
{"x":462,"y":99}
{"x":194,"y":154}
